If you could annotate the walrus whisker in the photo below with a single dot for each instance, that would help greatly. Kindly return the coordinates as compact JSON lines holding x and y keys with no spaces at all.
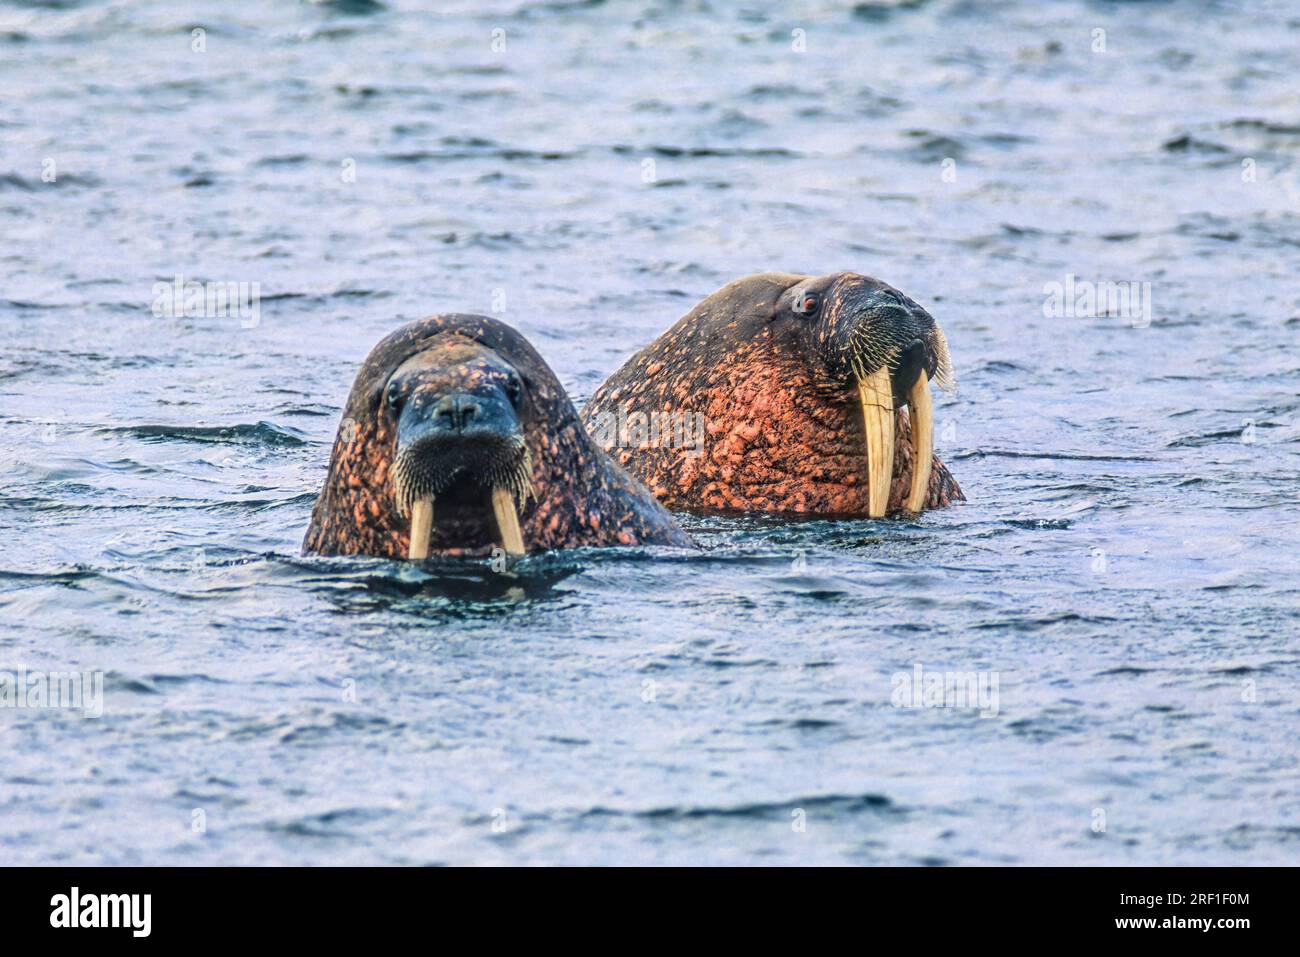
{"x":507,"y":483}
{"x":518,"y":479}
{"x":410,"y":484}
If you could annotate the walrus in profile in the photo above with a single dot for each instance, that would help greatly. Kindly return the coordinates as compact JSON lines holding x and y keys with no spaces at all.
{"x":813,"y":392}
{"x":457,"y":438}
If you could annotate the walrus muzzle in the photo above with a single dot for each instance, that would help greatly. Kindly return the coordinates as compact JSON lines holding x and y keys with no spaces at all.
{"x":895,"y":351}
{"x":459,"y":458}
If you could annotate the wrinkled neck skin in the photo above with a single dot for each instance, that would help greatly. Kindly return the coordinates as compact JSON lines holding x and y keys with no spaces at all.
{"x":780,"y":435}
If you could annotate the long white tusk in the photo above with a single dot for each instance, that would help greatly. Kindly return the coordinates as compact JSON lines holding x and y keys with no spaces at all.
{"x":503,"y":507}
{"x":918,"y":400}
{"x":421,"y":528}
{"x":877,"y":398}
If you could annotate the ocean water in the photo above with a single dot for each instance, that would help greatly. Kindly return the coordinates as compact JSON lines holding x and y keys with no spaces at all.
{"x":1125,"y":569}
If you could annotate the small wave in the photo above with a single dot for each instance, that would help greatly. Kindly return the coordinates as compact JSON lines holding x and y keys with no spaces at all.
{"x":313,"y":409}
{"x":882,"y":11}
{"x":1063,"y":456}
{"x":1238,"y":670}
{"x":178,"y":680}
{"x":343,"y":292}
{"x":835,"y":803}
{"x":24,"y":304}
{"x":1041,"y":524}
{"x":115,"y":682}
{"x":1190,"y":144}
{"x":802,"y":724}
{"x":781,"y":91}
{"x":1022,"y":623}
{"x":1263,"y":126}
{"x":295,"y":159}
{"x":65,"y":577}
{"x":529,"y":10}
{"x":509,"y":154}
{"x":352,"y":7}
{"x":1214,"y":437}
{"x":337,"y":824}
{"x":266,"y":434}
{"x":1042,"y":729}
{"x":313,"y":732}
{"x":62,"y":181}
{"x":933,"y":147}
{"x":703,"y":152}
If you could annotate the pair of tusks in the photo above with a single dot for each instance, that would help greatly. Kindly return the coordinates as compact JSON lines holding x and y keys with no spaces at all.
{"x":503,"y":509}
{"x":877,"y":395}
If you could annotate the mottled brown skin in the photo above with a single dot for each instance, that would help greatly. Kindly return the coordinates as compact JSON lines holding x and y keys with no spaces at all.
{"x":778,"y":394}
{"x":579,"y":496}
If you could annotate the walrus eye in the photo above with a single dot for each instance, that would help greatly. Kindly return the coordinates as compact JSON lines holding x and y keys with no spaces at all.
{"x":394,"y":396}
{"x":514,"y":391}
{"x":807,"y":304}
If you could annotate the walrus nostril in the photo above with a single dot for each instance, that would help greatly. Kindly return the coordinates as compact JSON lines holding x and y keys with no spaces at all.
{"x":456,"y":412}
{"x":469,"y":411}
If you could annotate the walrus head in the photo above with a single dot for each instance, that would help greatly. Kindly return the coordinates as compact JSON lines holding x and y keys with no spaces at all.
{"x":816,"y":394}
{"x":858,"y":325}
{"x":891,"y":349}
{"x":460,"y":453}
{"x":458,"y":439}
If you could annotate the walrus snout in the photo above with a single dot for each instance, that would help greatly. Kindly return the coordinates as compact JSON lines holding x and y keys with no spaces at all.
{"x":862,"y":324}
{"x":888,"y":349}
{"x":433,"y":415}
{"x":467,"y":450}
{"x":894,"y":349}
{"x":459,"y":448}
